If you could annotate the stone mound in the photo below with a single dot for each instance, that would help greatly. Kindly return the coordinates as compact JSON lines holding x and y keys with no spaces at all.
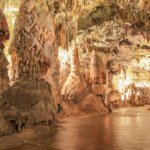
{"x":26,"y":103}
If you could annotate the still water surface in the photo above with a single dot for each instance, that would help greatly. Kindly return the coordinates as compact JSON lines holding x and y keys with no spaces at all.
{"x":124,"y":129}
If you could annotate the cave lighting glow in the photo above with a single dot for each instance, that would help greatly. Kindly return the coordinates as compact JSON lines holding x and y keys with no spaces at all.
{"x":145,"y":63}
{"x":63,"y":56}
{"x":122,"y":83}
{"x":11,"y":13}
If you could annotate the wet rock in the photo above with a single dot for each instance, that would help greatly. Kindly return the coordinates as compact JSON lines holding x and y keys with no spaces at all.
{"x":28,"y":103}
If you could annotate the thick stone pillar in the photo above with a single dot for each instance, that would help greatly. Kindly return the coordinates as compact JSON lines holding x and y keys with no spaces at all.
{"x":29,"y":101}
{"x":4,"y":35}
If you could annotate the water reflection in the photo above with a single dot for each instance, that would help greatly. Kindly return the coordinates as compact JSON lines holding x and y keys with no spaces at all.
{"x":123,"y":130}
{"x":126,"y":129}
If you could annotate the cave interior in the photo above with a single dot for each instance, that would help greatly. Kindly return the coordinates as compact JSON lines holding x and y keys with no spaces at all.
{"x":62,"y":58}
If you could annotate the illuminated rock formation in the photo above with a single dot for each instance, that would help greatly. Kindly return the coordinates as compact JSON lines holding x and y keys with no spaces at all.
{"x":97,"y":74}
{"x":117,"y":30}
{"x":29,"y":101}
{"x":4,"y":35}
{"x":78,"y":93}
{"x":74,"y":84}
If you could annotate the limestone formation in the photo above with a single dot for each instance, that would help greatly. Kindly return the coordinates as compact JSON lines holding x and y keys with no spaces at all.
{"x":53,"y":78}
{"x":144,"y":5}
{"x":26,"y":104}
{"x":29,"y":101}
{"x":113,"y":66}
{"x":91,"y":103}
{"x":116,"y":85}
{"x":32,"y":41}
{"x":74,"y":84}
{"x":78,"y":93}
{"x":102,"y":38}
{"x":97,"y":74}
{"x":4,"y":79}
{"x":4,"y":35}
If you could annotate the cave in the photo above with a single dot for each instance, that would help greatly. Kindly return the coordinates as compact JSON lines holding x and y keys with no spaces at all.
{"x":74,"y":74}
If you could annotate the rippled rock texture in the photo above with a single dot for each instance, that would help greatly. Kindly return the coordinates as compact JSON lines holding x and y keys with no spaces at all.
{"x":26,"y":104}
{"x":29,"y":101}
{"x":79,"y":95}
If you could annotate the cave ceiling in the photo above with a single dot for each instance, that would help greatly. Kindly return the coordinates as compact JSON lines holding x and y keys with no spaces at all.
{"x":117,"y":27}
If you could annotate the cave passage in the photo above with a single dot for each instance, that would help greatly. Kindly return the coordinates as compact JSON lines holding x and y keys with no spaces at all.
{"x":74,"y":74}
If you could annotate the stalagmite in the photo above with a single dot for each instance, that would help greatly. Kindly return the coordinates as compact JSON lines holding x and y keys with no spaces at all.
{"x":117,"y":87}
{"x":4,"y":79}
{"x":4,"y":35}
{"x":74,"y":85}
{"x":53,"y":76}
{"x":29,"y":101}
{"x":78,"y":93}
{"x":97,"y":74}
